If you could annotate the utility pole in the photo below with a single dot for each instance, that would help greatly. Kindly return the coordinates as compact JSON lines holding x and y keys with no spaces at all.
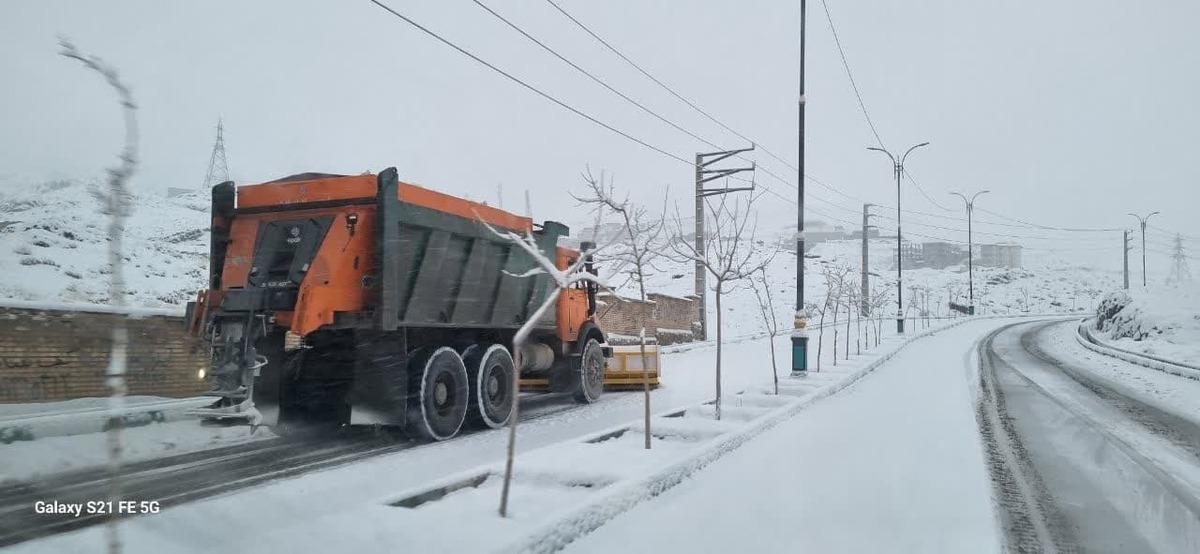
{"x":528,"y":205}
{"x":704,"y":175}
{"x":218,"y":167}
{"x":1126,"y":249}
{"x":800,"y":321}
{"x":1142,"y":220}
{"x":898,"y":168}
{"x":865,"y":293}
{"x":500,"y":195}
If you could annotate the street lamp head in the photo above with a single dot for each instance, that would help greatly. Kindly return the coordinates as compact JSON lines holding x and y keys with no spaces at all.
{"x":877,"y":149}
{"x":922,"y":144}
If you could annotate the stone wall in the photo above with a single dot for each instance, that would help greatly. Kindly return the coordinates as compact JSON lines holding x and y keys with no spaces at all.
{"x":48,"y":355}
{"x":670,"y":319}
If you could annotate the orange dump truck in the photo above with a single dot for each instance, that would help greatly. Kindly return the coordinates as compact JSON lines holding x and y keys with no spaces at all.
{"x":362,"y":299}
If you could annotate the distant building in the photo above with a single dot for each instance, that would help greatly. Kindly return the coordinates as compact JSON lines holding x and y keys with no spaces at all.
{"x":935,"y":255}
{"x":940,"y":255}
{"x":606,"y":232}
{"x":816,"y":232}
{"x":871,"y":234}
{"x":1000,"y":255}
{"x":910,"y":255}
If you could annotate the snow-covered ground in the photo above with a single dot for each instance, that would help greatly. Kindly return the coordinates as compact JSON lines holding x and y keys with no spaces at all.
{"x":22,"y":460}
{"x":1161,"y":322}
{"x":893,"y":464}
{"x":292,"y":503}
{"x":1169,"y":393}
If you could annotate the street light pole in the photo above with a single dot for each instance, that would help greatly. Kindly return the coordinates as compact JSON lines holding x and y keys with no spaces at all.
{"x":970,"y":250}
{"x":800,"y":321}
{"x":1142,"y":221}
{"x":898,"y":168}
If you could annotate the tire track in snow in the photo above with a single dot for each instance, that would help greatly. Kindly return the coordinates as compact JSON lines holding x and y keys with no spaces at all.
{"x":1029,"y":518}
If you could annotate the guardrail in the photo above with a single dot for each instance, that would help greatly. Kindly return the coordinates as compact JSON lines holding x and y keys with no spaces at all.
{"x":1179,"y":369}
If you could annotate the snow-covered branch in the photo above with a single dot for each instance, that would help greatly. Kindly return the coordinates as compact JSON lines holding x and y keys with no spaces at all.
{"x":116,"y":203}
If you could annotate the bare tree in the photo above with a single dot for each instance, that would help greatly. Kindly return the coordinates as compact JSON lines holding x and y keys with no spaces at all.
{"x":635,"y":251}
{"x":116,"y":204}
{"x":835,"y":277}
{"x":560,"y":279}
{"x":880,"y":298}
{"x":728,"y":255}
{"x":766,"y":307}
{"x":850,"y":297}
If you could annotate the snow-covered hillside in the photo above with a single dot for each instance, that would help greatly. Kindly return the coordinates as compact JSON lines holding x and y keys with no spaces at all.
{"x":54,"y":246}
{"x":1161,"y":322}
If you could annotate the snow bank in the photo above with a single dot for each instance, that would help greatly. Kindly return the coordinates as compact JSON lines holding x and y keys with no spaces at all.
{"x":1159,"y":323}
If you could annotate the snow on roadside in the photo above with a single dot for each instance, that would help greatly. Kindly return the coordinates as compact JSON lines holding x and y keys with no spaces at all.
{"x":350,"y":495}
{"x":894,"y":464}
{"x":1170,"y":393}
{"x":22,"y":461}
{"x":1161,"y":322}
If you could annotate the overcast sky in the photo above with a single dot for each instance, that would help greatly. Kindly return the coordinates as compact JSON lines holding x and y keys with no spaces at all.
{"x":1072,"y":113}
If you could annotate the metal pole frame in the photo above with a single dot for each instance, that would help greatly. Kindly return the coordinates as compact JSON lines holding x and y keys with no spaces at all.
{"x":704,"y":175}
{"x":898,"y":167}
{"x":1142,"y":221}
{"x":970,"y":249}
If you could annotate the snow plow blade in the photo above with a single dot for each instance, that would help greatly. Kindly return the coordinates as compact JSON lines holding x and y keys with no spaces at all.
{"x":623,"y":372}
{"x":244,"y":410}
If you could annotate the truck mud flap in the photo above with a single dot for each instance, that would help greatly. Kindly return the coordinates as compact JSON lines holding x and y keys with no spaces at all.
{"x":379,"y":394}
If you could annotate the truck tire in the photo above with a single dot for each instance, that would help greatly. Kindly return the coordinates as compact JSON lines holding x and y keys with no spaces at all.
{"x":587,"y":378}
{"x":491,"y":371}
{"x":439,"y":394}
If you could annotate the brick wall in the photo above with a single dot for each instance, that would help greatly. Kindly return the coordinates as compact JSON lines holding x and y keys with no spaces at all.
{"x":622,"y":317}
{"x":50,"y":355}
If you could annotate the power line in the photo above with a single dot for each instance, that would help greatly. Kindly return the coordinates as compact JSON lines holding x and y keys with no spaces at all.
{"x":1051,"y":227}
{"x":1172,"y":233}
{"x":850,"y":75}
{"x":954,"y":229}
{"x":529,"y":86}
{"x":678,"y":96}
{"x":591,"y":76}
{"x":922,"y":191}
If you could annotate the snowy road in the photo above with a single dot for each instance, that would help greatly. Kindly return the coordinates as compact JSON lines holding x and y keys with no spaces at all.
{"x":892,"y":464}
{"x":1081,"y":464}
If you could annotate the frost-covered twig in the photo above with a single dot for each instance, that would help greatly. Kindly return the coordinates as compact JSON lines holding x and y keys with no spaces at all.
{"x":766,"y":307}
{"x":728,"y":256}
{"x":640,"y":234}
{"x":562,"y":279}
{"x":116,"y":203}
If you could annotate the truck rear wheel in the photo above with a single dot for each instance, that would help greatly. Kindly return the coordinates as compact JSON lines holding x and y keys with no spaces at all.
{"x":587,"y":379}
{"x":491,"y":372}
{"x":440,"y":390}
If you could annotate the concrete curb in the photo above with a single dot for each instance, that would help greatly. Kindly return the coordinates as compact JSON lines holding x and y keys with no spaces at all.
{"x":1087,"y":340}
{"x":93,"y":420}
